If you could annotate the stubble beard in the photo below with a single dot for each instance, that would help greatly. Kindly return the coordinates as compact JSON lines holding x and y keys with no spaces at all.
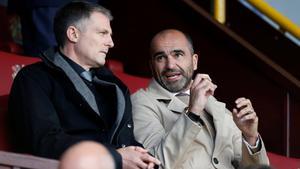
{"x":179,"y":85}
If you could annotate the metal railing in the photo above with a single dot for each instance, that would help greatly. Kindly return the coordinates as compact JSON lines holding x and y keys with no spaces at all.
{"x":261,"y":56}
{"x":285,"y":23}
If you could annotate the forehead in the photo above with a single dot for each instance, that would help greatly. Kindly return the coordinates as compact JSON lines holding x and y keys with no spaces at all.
{"x":169,"y":41}
{"x":99,"y":20}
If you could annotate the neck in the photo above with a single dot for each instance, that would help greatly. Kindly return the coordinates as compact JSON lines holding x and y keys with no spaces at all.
{"x":69,"y":52}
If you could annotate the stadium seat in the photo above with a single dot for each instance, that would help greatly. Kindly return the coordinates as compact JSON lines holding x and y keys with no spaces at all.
{"x":281,"y":162}
{"x":7,"y":61}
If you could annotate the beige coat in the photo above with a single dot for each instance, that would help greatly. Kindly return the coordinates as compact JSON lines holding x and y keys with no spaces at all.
{"x":171,"y":136}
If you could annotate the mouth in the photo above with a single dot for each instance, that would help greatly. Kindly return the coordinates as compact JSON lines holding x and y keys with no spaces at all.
{"x":104,"y":52}
{"x":172,"y":76}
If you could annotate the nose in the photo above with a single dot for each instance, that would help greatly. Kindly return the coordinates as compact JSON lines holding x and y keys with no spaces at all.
{"x":171,"y":62}
{"x":110,"y":42}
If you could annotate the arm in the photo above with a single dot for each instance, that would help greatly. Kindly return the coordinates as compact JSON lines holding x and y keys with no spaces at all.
{"x":38,"y":122}
{"x":36,"y":118}
{"x":34,"y":115}
{"x":170,"y":139}
{"x":246,"y":120}
{"x":168,"y":146}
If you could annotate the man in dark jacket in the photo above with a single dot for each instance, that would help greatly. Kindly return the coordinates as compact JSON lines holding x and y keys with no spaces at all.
{"x":70,"y":96}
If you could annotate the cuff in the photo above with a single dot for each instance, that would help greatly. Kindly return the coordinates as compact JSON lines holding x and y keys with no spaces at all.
{"x":195,"y":118}
{"x":255,"y":148}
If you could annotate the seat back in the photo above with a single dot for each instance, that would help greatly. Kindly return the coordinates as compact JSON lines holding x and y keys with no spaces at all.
{"x":282,"y":162}
{"x":4,"y":130}
{"x":132,"y":82}
{"x":7,"y":60}
{"x":17,"y":161}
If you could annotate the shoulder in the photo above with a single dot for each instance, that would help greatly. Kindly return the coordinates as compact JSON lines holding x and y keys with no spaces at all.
{"x":141,"y":96}
{"x":34,"y":74}
{"x":32,"y":71}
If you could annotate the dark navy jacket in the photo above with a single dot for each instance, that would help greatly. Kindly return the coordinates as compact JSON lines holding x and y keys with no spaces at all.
{"x":51,"y":109}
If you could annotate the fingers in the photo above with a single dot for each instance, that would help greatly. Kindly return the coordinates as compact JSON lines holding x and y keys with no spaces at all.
{"x":146,"y":161}
{"x":150,"y":166}
{"x":149,"y":159}
{"x":16,"y":68}
{"x":140,"y":149}
{"x":199,"y":78}
{"x":244,"y":110}
{"x":203,"y":80}
{"x":137,"y":157}
{"x":203,"y":76}
{"x":206,"y":86}
{"x":201,"y":88}
{"x":146,"y":157}
{"x":240,"y":102}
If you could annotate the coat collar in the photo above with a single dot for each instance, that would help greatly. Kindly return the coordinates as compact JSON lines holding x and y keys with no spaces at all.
{"x":161,"y":94}
{"x":54,"y":59}
{"x":213,"y":107}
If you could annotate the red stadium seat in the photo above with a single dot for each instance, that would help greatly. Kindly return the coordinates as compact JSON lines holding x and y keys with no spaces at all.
{"x":282,"y":162}
{"x":115,"y":65}
{"x":132,"y":82}
{"x":7,"y":60}
{"x":4,"y":130}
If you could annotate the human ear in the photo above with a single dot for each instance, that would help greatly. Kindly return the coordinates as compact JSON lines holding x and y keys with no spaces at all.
{"x":195,"y":61}
{"x":73,"y":34}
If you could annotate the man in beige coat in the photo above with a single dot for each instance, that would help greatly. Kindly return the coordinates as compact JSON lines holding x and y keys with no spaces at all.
{"x":181,"y":123}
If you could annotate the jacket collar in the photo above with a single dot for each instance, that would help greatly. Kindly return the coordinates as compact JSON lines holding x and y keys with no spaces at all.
{"x":53,"y":59}
{"x":161,"y":94}
{"x":213,"y":107}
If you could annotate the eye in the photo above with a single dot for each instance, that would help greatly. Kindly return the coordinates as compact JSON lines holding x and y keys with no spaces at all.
{"x":178,"y":54}
{"x":101,"y":33}
{"x":159,"y":58}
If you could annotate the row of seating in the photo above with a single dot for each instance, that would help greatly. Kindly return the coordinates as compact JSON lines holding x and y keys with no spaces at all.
{"x":7,"y":60}
{"x":10,"y":160}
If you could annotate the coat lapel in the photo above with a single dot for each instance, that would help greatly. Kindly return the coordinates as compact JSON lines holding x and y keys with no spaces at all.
{"x":217,"y":110}
{"x":120,"y":103}
{"x":161,"y":94}
{"x":79,"y":84}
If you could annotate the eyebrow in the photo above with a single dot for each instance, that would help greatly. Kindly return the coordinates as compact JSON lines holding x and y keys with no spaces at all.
{"x":177,"y":50}
{"x":173,"y":51}
{"x":157,"y":53}
{"x":105,"y":31}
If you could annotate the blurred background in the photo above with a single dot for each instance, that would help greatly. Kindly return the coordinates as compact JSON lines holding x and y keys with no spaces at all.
{"x":249,"y":48}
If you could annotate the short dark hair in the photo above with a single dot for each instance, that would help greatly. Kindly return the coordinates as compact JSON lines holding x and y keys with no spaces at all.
{"x":186,"y":35}
{"x":190,"y":42}
{"x":74,"y":13}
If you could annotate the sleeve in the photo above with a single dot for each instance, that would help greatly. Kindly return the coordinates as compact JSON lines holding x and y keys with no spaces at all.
{"x":34,"y":118}
{"x":250,"y":158}
{"x":116,"y":156}
{"x":168,"y":146}
{"x":243,"y":154}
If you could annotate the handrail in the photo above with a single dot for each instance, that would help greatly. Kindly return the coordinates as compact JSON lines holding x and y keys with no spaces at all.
{"x":246,"y":44}
{"x":281,"y":20}
{"x":220,"y":10}
{"x":16,"y":160}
